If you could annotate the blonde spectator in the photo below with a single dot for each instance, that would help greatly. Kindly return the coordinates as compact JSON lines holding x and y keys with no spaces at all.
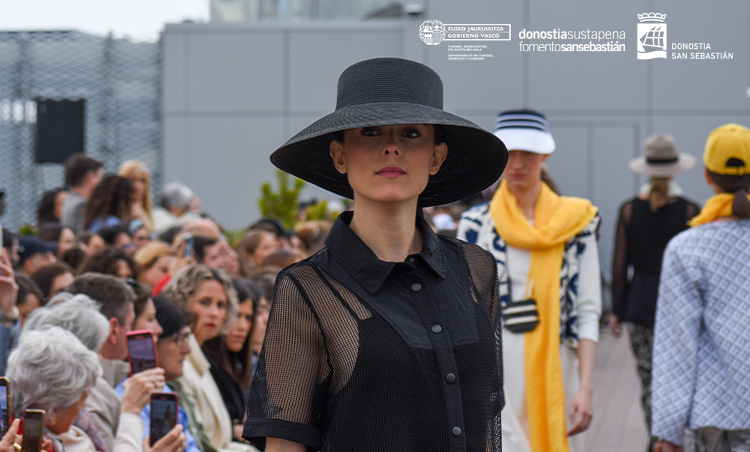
{"x":140,"y":176}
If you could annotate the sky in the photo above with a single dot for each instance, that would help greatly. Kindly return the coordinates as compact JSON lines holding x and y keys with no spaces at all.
{"x":140,"y":20}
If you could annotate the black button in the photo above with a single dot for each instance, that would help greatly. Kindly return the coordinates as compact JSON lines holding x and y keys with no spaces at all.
{"x":410,"y":260}
{"x":450,"y":378}
{"x":456,"y":431}
{"x":416,"y":287}
{"x":436,"y":329}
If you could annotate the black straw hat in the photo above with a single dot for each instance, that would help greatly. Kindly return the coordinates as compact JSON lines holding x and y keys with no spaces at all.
{"x":391,"y":91}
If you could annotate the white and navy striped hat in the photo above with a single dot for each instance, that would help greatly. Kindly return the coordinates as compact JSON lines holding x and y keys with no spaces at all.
{"x":524,"y":130}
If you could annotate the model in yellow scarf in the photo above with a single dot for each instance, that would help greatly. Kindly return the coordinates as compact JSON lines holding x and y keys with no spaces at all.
{"x":717,"y":206}
{"x":556,"y":220}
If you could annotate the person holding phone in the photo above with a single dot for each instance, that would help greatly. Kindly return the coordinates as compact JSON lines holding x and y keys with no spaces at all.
{"x":388,"y":338}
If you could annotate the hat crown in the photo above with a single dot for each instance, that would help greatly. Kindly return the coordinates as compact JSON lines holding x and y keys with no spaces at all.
{"x":728,"y":150}
{"x":660,"y":148}
{"x":389,"y":80}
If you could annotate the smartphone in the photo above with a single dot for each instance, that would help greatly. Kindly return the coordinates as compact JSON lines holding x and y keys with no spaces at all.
{"x":163,"y":414}
{"x":5,"y":419}
{"x":189,"y":246}
{"x":1,"y":238}
{"x":141,"y":351}
{"x":33,"y":431}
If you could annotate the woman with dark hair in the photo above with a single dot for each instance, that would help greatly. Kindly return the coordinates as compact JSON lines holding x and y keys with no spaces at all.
{"x":50,"y":207}
{"x":230,"y":354}
{"x":74,"y":257}
{"x":110,"y":203}
{"x":110,"y":260}
{"x":53,"y":279}
{"x":387,"y":339}
{"x":64,"y":237}
{"x":645,"y":225}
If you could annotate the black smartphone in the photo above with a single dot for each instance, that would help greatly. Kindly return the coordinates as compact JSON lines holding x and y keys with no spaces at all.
{"x":163,"y":414}
{"x":141,"y":351}
{"x":33,"y":431}
{"x":189,"y":246}
{"x":4,"y":406}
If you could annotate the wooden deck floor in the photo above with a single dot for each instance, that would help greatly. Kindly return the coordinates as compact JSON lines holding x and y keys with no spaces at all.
{"x":618,"y":424}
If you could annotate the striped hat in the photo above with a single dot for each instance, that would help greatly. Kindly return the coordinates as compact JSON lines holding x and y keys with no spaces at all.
{"x":524,"y":130}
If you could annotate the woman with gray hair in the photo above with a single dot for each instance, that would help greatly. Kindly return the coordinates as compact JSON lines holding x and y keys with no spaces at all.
{"x":52,"y":370}
{"x":210,"y":301}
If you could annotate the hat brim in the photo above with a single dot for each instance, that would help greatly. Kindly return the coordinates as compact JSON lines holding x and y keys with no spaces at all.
{"x":526,"y":139}
{"x":684,"y":163}
{"x":476,"y":158}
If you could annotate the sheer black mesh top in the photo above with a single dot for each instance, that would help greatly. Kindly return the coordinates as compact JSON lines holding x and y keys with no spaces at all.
{"x":365,"y":355}
{"x":642,"y":236}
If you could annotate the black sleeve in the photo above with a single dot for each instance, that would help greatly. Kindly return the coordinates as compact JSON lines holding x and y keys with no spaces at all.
{"x":621,"y":261}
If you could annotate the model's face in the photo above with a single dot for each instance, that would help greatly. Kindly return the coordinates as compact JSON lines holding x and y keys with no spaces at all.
{"x":156,"y":272}
{"x":389,"y":163}
{"x":172,"y":351}
{"x":209,"y":303}
{"x":524,"y":170}
{"x":239,"y":330}
{"x":147,"y":319}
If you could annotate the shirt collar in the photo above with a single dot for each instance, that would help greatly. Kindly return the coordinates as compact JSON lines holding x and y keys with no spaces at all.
{"x":362,"y":263}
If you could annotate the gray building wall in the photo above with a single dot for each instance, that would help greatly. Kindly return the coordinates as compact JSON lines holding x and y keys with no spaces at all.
{"x":234,"y":93}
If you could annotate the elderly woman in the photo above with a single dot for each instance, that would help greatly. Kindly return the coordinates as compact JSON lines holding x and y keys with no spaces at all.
{"x":52,"y":370}
{"x":210,"y":300}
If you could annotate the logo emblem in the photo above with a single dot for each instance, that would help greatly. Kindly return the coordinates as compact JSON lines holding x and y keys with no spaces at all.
{"x":431,"y":32}
{"x":652,"y":36}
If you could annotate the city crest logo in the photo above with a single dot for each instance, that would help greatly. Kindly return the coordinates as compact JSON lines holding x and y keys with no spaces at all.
{"x":652,"y":36}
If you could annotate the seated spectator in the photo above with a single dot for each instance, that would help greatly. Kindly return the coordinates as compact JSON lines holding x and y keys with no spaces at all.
{"x":80,"y":315}
{"x":171,"y":349}
{"x":255,"y":246}
{"x":210,"y":300}
{"x":90,"y":242}
{"x":281,"y":259}
{"x":144,"y":309}
{"x":230,"y":354}
{"x":29,"y":297}
{"x":266,"y":280}
{"x":35,"y":254}
{"x":109,"y":204}
{"x":140,"y":176}
{"x":82,"y":175}
{"x":49,"y":210}
{"x":175,"y":207}
{"x":313,"y":235}
{"x":64,"y":237}
{"x":53,"y":279}
{"x":110,"y":261}
{"x":153,"y":262}
{"x":117,"y":236}
{"x":116,"y":299}
{"x":59,"y":386}
{"x":73,"y":257}
{"x":139,"y":233}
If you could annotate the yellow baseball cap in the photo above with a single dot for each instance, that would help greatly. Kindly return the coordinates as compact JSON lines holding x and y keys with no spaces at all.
{"x":728,"y":150}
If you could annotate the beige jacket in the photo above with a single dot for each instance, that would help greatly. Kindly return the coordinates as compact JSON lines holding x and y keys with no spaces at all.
{"x":198,"y":384}
{"x":104,"y":407}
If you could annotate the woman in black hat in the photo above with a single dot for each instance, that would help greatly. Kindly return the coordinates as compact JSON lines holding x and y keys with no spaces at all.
{"x":388,"y":338}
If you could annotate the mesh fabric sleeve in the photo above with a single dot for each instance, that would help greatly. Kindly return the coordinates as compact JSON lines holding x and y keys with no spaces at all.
{"x":621,"y":261}
{"x":288,"y":395}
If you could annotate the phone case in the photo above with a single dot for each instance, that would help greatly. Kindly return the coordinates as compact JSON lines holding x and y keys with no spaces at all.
{"x":155,"y":422}
{"x":139,"y":334}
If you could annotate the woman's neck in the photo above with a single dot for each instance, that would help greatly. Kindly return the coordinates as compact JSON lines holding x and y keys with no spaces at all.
{"x":526,"y":199}
{"x":389,"y":230}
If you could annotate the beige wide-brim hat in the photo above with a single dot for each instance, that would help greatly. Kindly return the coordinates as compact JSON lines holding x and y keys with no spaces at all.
{"x":661,"y":159}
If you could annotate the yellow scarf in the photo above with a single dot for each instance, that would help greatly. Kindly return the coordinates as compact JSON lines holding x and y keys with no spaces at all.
{"x":717,"y":206}
{"x":556,"y":220}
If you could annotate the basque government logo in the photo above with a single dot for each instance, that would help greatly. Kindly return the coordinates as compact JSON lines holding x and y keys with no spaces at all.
{"x":652,"y":36}
{"x":431,"y":32}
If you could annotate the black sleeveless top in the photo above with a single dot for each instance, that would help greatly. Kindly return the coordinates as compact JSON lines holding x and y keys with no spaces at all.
{"x":642,"y":236}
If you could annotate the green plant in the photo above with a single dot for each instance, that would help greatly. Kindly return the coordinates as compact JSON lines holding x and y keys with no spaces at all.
{"x":27,"y":229}
{"x":284,"y":203}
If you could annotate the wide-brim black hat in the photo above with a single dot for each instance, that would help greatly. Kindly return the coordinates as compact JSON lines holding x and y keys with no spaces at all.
{"x":392,"y":91}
